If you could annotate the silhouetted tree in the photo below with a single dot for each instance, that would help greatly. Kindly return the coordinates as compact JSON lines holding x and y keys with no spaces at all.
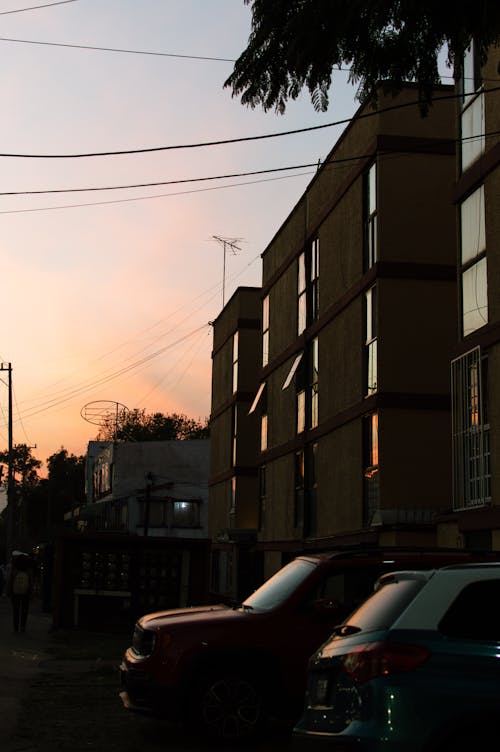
{"x":298,"y":43}
{"x":65,"y":483}
{"x":137,"y":425}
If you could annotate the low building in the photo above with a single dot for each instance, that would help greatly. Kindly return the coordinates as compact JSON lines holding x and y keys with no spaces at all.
{"x":149,"y":488}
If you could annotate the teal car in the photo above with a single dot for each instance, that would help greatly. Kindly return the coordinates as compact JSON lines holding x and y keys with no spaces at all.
{"x":415,"y":668}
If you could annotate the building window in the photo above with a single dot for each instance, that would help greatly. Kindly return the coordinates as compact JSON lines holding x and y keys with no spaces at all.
{"x":222,"y":572}
{"x":473,"y":260}
{"x":308,"y":286}
{"x":234,"y":435}
{"x":185,"y":513}
{"x":263,"y":422}
{"x":102,"y":478}
{"x":314,"y":279}
{"x":371,"y":341}
{"x":301,"y":294}
{"x":265,"y":331}
{"x":470,"y":431}
{"x":371,"y":493}
{"x":300,"y":481}
{"x":232,"y":504}
{"x":472,"y":102}
{"x":262,"y":496}
{"x":170,"y":513}
{"x":314,"y":383}
{"x":371,"y":241}
{"x":261,"y":400}
{"x":306,"y":387}
{"x":235,"y":362}
{"x":305,"y":489}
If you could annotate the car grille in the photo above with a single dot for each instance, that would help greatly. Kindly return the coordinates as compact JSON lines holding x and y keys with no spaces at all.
{"x":143,"y":642}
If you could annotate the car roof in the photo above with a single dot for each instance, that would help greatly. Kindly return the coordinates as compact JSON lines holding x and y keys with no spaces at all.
{"x":399,"y":553}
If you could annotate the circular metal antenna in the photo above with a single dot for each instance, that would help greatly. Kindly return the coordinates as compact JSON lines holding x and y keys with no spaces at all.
{"x":99,"y":411}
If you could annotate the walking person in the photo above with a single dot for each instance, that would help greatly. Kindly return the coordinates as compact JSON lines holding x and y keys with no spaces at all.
{"x":19,"y":589}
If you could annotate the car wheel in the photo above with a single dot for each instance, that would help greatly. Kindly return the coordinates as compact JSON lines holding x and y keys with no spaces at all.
{"x":229,"y":707}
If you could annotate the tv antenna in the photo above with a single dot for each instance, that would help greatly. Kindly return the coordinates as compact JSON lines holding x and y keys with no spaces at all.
{"x":232,"y":245}
{"x":100,"y":411}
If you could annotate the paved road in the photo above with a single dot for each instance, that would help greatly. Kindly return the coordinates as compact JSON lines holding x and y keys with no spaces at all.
{"x":59,"y":690}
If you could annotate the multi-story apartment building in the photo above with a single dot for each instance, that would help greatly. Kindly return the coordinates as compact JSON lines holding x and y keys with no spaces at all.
{"x":234,"y":447}
{"x":361,"y":287}
{"x":475,"y":366}
{"x":378,"y":397}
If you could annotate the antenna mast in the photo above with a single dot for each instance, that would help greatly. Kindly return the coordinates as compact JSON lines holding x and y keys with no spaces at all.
{"x":226,"y":243}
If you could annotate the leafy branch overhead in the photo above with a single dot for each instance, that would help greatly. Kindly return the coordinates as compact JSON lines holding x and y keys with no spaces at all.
{"x":299,"y":43}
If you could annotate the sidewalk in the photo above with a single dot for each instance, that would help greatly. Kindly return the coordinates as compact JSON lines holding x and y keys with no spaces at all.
{"x":20,"y":657}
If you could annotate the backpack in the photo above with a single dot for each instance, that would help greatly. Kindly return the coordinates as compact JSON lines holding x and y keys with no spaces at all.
{"x":21,"y":583}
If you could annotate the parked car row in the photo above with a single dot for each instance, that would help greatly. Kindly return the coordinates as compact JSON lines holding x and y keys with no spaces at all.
{"x":424,"y":637}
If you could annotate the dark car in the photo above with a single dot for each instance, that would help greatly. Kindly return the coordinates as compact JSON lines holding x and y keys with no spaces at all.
{"x":225,"y":670}
{"x":415,"y":668}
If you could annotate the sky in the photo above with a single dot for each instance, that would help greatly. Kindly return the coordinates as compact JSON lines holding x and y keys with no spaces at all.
{"x":107,"y":294}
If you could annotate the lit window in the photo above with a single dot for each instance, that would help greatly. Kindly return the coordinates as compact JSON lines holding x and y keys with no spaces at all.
{"x":308,"y":286}
{"x":263,"y":432}
{"x":371,"y":340}
{"x":371,"y":250}
{"x":371,"y":498}
{"x":475,"y":297}
{"x":474,"y":264}
{"x":235,"y":362}
{"x":306,"y":387}
{"x":257,"y":398}
{"x":472,"y":226}
{"x":472,"y":120}
{"x":291,"y":372}
{"x":265,"y":331}
{"x":314,"y":383}
{"x":186,"y":513}
{"x":232,"y":507}
{"x":301,"y":411}
{"x":301,"y":295}
{"x":470,"y":431}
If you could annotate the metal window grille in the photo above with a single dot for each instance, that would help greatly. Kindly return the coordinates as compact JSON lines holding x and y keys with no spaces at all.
{"x":470,"y":432}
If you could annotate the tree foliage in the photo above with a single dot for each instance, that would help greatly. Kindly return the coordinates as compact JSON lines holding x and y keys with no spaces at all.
{"x":24,"y":464}
{"x":298,"y":43}
{"x":65,"y":482}
{"x":137,"y":425}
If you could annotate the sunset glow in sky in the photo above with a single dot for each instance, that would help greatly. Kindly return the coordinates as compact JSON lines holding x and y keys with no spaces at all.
{"x":107,"y":295}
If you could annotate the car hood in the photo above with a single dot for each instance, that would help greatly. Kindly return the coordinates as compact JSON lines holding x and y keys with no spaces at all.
{"x":172,"y":617}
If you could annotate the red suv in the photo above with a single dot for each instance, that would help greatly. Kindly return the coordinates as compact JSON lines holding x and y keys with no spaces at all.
{"x":225,"y":670}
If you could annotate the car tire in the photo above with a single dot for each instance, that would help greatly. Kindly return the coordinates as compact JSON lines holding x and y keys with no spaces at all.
{"x":228,"y":707}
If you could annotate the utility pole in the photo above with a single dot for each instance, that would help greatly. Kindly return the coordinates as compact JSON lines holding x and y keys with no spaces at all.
{"x":10,"y":473}
{"x":226,"y":243}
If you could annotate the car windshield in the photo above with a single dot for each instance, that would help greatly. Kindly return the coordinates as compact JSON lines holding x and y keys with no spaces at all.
{"x":381,"y":609}
{"x":279,"y":587}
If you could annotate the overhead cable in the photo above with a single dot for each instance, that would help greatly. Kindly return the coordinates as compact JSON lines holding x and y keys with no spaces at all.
{"x":241,"y":139}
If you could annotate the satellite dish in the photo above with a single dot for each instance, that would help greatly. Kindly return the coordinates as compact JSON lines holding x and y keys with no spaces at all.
{"x":99,"y":411}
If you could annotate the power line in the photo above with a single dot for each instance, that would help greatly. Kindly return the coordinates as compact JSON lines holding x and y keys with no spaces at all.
{"x":148,"y":198}
{"x":62,"y":396}
{"x":119,"y":49}
{"x":241,"y":139}
{"x":86,"y":387}
{"x":226,"y":176}
{"x":36,"y":7}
